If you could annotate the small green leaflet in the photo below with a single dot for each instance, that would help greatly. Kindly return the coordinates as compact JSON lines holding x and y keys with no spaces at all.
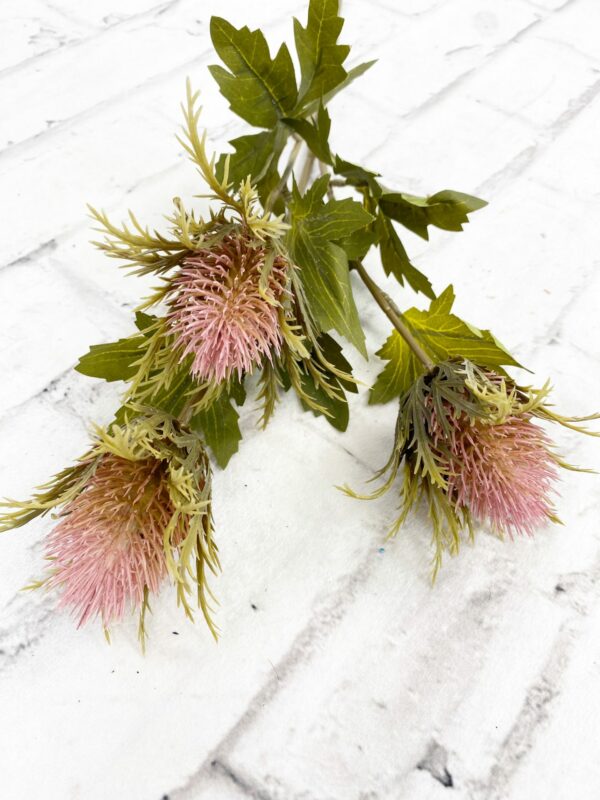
{"x":219,"y":424}
{"x":447,"y":210}
{"x":315,"y":134}
{"x":338,"y":412}
{"x":442,"y":335}
{"x":357,"y":176}
{"x":256,"y":155}
{"x":253,"y":155}
{"x":320,"y":56}
{"x":353,"y":74}
{"x":324,"y":272}
{"x":259,"y":89}
{"x":395,"y":259}
{"x":114,"y":361}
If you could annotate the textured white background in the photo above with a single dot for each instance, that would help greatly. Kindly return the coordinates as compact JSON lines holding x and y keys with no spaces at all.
{"x":341,"y":674}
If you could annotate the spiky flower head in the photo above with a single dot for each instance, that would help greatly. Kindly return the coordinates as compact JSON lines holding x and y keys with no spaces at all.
{"x":225,"y":304}
{"x":469,"y":443}
{"x":133,"y":510}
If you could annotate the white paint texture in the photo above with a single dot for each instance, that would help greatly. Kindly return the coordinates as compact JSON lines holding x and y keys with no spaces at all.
{"x":341,"y":674}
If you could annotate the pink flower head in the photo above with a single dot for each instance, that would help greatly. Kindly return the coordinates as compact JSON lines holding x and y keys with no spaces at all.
{"x":218,"y":313}
{"x":108,"y":547}
{"x":502,"y":473}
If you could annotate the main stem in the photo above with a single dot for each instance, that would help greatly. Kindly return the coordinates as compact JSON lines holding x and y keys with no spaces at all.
{"x":392,"y":312}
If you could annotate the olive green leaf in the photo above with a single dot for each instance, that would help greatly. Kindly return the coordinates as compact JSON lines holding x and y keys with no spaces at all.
{"x":358,"y":244}
{"x":338,"y":414}
{"x":357,"y":176}
{"x":259,"y":89}
{"x":114,"y":361}
{"x":352,"y":75}
{"x":219,"y":425}
{"x":447,"y":210}
{"x":320,"y":56}
{"x":442,"y":335}
{"x":315,"y":134}
{"x":395,"y":259}
{"x":324,"y":273}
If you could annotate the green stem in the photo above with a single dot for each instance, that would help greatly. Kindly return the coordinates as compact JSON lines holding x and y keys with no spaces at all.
{"x":393,"y":313}
{"x":282,"y":185}
{"x":306,"y":171}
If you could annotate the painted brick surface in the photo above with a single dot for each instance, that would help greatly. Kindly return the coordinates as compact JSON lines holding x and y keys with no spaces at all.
{"x":341,"y":673}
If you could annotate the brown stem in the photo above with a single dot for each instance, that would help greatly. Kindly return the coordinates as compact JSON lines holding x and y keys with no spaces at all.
{"x":392,"y":312}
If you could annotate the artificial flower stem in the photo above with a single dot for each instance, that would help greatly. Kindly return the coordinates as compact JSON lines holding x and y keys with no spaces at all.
{"x":306,"y":171}
{"x":393,"y":313}
{"x":282,"y":185}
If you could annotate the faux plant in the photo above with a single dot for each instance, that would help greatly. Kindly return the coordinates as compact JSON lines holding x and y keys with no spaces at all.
{"x":262,"y":287}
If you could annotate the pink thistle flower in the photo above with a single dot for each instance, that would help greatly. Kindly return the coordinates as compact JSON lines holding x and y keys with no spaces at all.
{"x":108,"y":548}
{"x":502,"y":473}
{"x":218,"y":313}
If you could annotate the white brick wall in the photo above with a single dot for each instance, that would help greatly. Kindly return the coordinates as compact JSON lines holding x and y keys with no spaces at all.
{"x":341,"y":674}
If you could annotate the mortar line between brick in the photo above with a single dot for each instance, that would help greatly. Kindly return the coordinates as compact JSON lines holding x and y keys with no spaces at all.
{"x":542,"y":692}
{"x":319,"y":627}
{"x":65,"y":124}
{"x":134,"y":18}
{"x":48,"y":134}
{"x":242,"y":782}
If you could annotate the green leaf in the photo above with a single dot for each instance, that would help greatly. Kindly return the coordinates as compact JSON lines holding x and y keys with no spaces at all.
{"x":114,"y":361}
{"x":237,"y":391}
{"x":334,"y":355}
{"x":219,"y":425}
{"x":353,"y":74}
{"x":143,"y":321}
{"x":316,"y":135}
{"x":399,"y":373}
{"x":442,"y":335}
{"x":357,"y":176}
{"x":395,"y":259}
{"x":172,"y":398}
{"x":259,"y":89}
{"x":338,"y":413}
{"x":447,"y":210}
{"x":252,"y":156}
{"x":320,"y":56}
{"x":324,"y":272}
{"x":358,"y":244}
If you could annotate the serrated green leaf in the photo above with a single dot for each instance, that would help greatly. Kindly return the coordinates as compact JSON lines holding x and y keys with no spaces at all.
{"x":357,"y":245}
{"x":259,"y":89}
{"x":219,"y":424}
{"x":395,"y":259}
{"x":237,"y":391}
{"x":320,"y":56}
{"x":448,"y":210}
{"x":442,"y":335}
{"x":253,"y":155}
{"x":399,"y":373}
{"x":353,"y":74}
{"x":324,"y":271}
{"x":357,"y":176}
{"x":315,"y":134}
{"x":143,"y":321}
{"x":333,"y":353}
{"x":338,"y":414}
{"x":114,"y":361}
